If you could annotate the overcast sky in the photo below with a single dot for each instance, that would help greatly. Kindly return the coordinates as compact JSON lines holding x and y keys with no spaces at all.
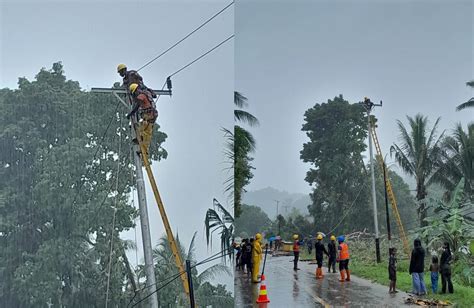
{"x":415,"y":56}
{"x":92,"y":37}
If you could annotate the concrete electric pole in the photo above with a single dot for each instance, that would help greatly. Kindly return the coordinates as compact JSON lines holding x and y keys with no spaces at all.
{"x":368,"y":105}
{"x":142,"y":204}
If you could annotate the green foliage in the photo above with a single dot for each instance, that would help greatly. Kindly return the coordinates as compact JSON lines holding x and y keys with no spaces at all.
{"x":470,"y":102}
{"x":251,"y":221}
{"x":244,"y":144}
{"x":450,"y":224}
{"x":377,"y":272}
{"x":219,"y":219}
{"x":406,"y":204}
{"x":56,"y":199}
{"x":337,"y":131}
{"x":457,"y":161}
{"x":173,"y":294}
{"x":419,"y":155}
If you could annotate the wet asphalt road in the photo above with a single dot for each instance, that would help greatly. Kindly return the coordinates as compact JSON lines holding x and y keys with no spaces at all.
{"x":287,"y":288}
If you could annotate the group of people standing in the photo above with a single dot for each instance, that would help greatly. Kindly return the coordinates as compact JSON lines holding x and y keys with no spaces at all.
{"x":336,"y":252}
{"x":417,"y":269}
{"x":249,"y":256}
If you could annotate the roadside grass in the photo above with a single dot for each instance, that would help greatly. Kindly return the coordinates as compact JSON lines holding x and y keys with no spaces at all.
{"x":462,"y":297}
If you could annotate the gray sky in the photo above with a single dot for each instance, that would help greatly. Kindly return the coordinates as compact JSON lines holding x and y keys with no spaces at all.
{"x":415,"y":56}
{"x":91,"y":38}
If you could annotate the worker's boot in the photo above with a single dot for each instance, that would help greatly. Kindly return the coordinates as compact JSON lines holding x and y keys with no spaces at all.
{"x":343,"y":276}
{"x":348,"y":275}
{"x":319,"y":275}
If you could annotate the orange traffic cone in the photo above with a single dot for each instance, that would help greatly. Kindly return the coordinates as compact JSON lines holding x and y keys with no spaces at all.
{"x":262,"y":294}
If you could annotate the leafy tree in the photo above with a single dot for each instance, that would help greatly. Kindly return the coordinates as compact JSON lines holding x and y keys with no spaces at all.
{"x":251,"y":221}
{"x":469,"y":103}
{"x":418,"y":154}
{"x":406,"y":203}
{"x":457,"y":160}
{"x":337,"y":131}
{"x":450,"y":223}
{"x":244,"y":144}
{"x":57,"y":191}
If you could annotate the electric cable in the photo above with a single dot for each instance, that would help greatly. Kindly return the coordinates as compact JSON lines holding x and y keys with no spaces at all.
{"x":189,"y":34}
{"x":202,"y":56}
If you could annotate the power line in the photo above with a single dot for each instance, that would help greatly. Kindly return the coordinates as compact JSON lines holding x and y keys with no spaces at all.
{"x":191,"y":33}
{"x":203,"y":55}
{"x":176,"y":276}
{"x":348,"y":210}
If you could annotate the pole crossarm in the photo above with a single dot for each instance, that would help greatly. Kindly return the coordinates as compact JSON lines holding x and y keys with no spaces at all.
{"x":124,"y":91}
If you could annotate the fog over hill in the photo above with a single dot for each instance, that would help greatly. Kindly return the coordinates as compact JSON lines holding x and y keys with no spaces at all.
{"x":267,"y":198}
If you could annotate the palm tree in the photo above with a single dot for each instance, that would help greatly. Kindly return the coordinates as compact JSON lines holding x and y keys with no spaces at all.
{"x":469,"y":103}
{"x":418,"y":155}
{"x":240,"y":115}
{"x":244,"y":143}
{"x":223,"y":222}
{"x":457,"y":160}
{"x":166,"y":268}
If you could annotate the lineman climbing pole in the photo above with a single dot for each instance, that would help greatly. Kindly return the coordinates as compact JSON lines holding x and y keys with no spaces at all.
{"x":147,"y":247}
{"x":389,"y":191}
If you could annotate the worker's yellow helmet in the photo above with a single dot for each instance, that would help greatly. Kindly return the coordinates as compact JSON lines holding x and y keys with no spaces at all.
{"x":258,"y":236}
{"x":319,"y":237}
{"x":333,"y":238}
{"x":295,"y":236}
{"x":133,"y":87}
{"x":120,"y":67}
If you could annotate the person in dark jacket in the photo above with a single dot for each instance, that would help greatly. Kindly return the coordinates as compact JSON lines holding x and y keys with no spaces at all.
{"x":320,"y":249}
{"x":332,"y":254}
{"x":445,"y":267}
{"x":417,"y":268}
{"x":246,"y":256}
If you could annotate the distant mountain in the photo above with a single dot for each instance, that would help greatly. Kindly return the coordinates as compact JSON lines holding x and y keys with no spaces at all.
{"x":265,"y":199}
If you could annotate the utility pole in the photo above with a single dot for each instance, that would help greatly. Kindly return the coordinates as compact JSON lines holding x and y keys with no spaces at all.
{"x":389,"y":232}
{"x":190,"y":284}
{"x":368,"y":105}
{"x":142,"y":204}
{"x":278,"y":220}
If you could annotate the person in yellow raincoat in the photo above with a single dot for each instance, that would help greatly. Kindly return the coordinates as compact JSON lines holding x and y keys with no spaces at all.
{"x":256,"y":257}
